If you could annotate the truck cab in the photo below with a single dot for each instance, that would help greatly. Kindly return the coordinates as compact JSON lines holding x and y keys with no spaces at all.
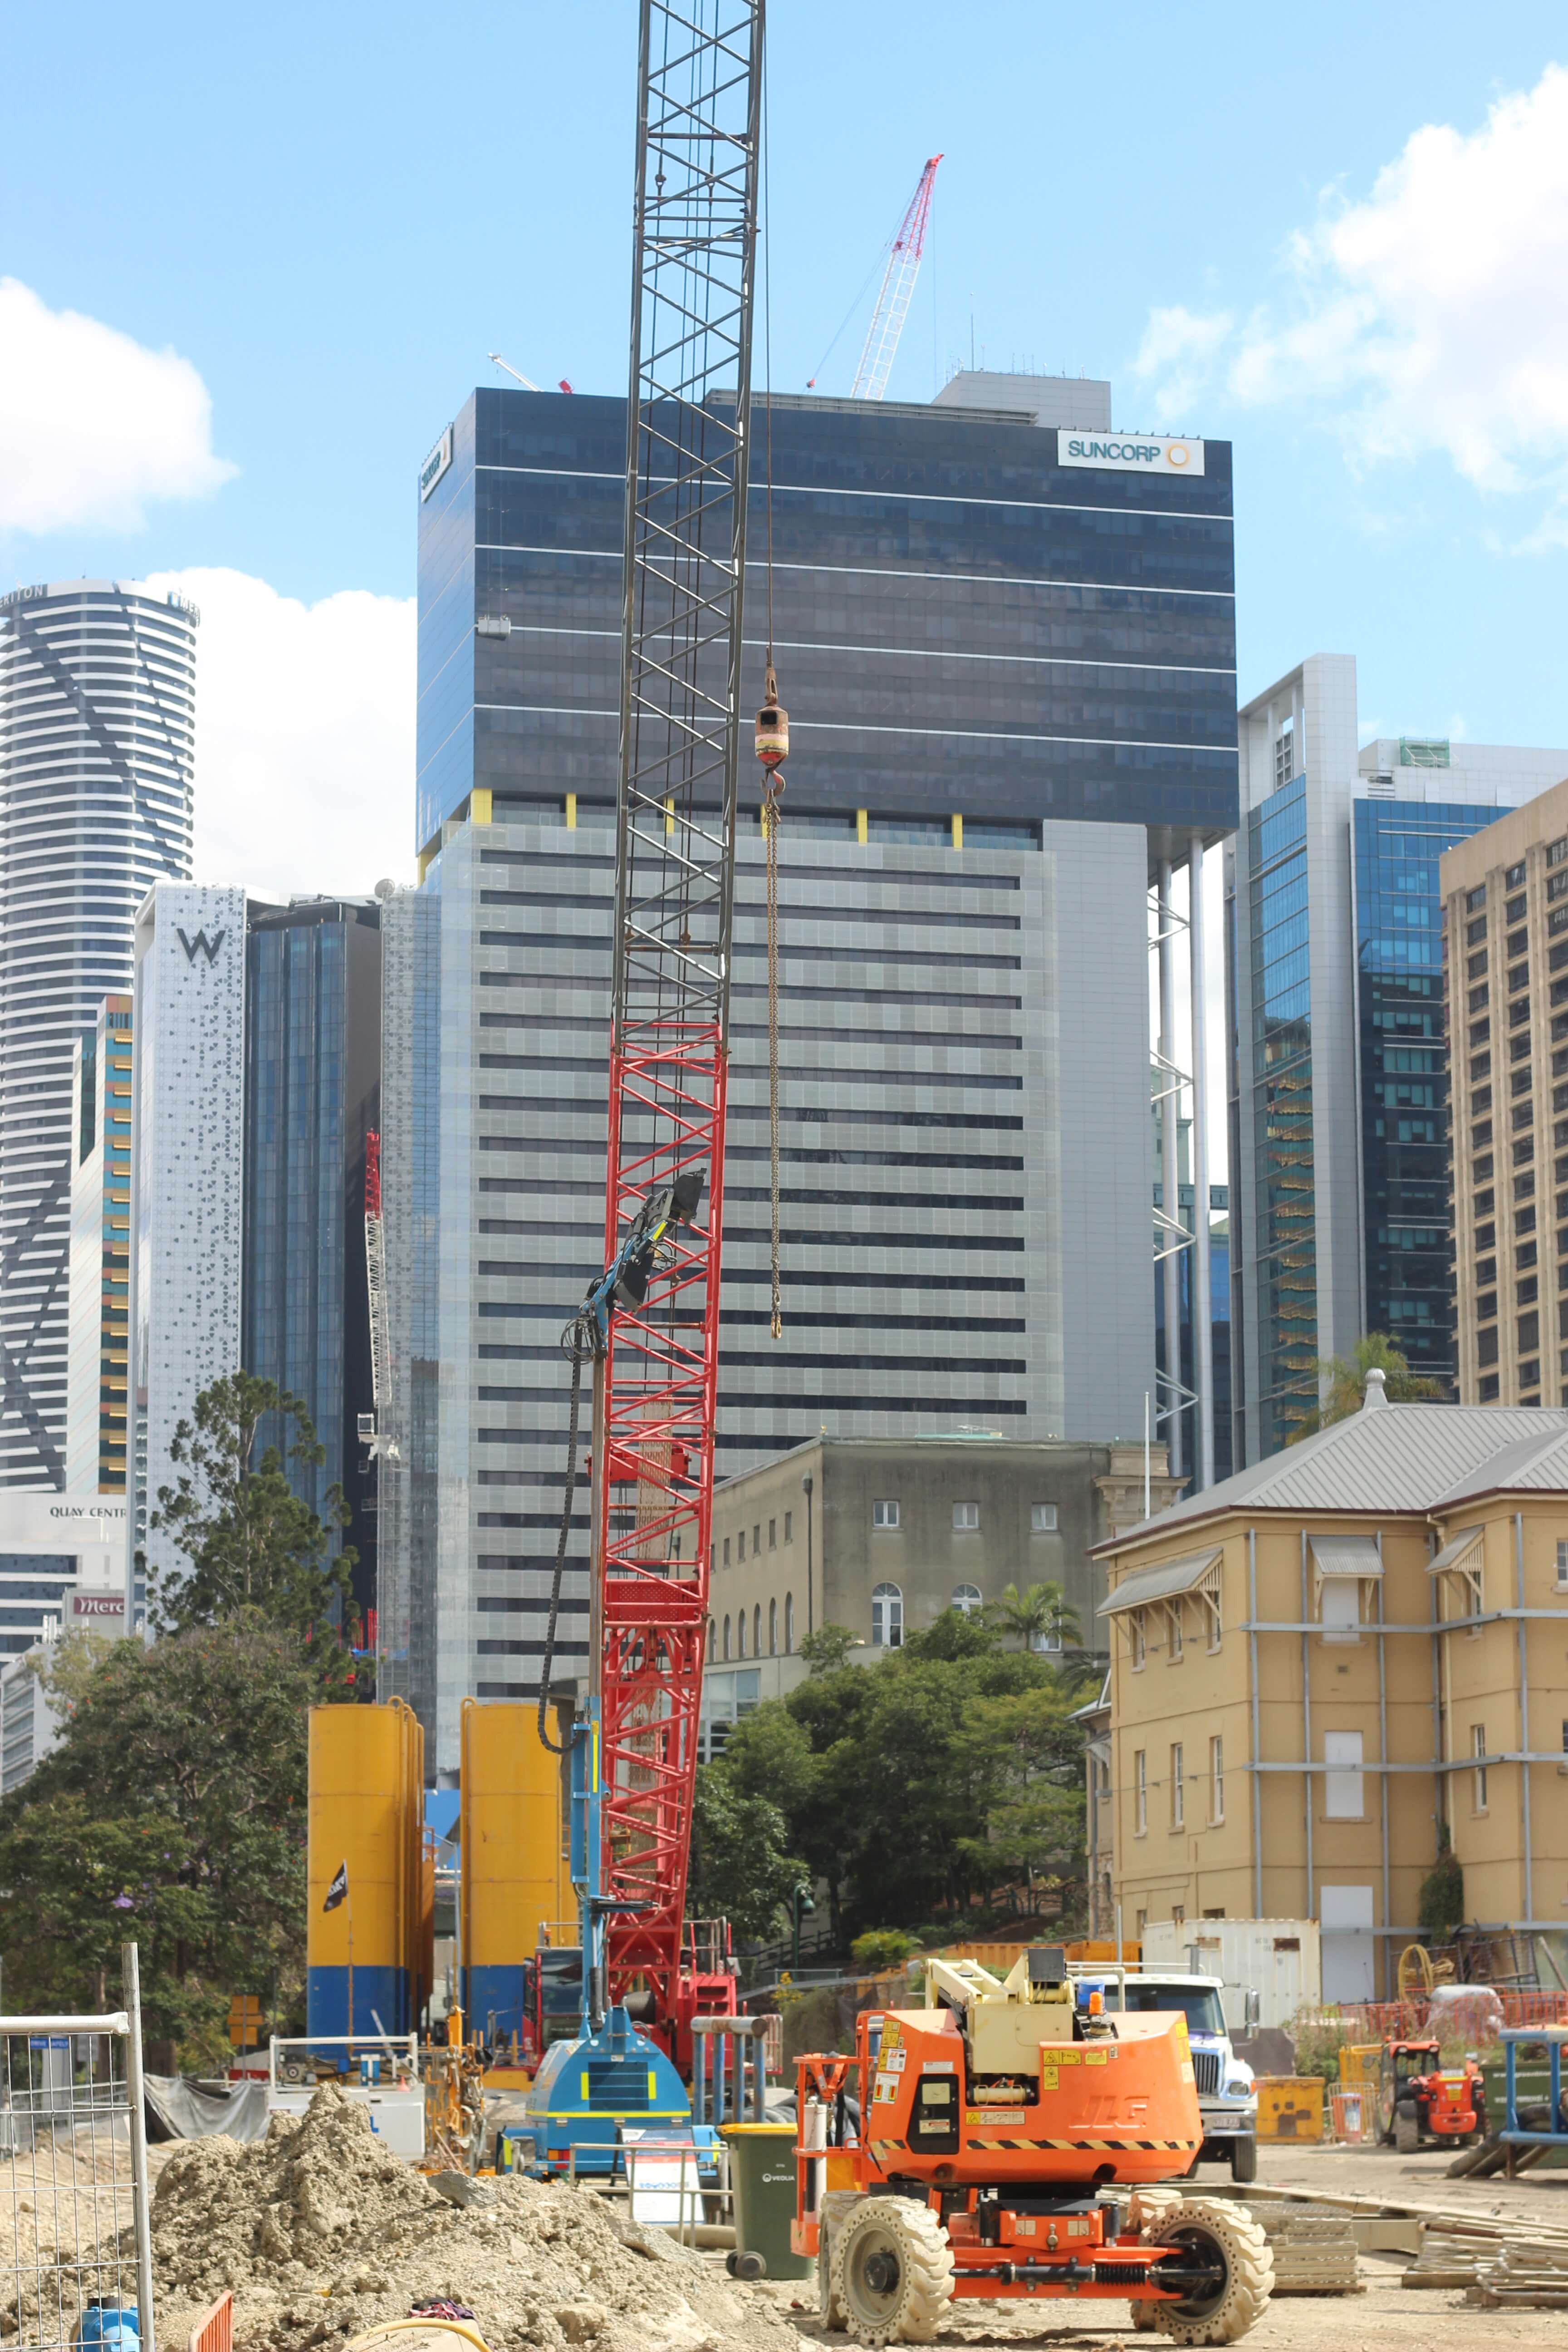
{"x":1228,"y":2098}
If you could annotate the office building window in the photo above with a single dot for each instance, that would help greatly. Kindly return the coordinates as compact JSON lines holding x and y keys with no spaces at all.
{"x":967,"y":1598}
{"x":789,"y":1527}
{"x":965,"y":1518}
{"x":1139,"y":1641}
{"x":886,"y":1617}
{"x":757,"y":1631}
{"x":1562,"y":1566}
{"x":1478,"y":1776}
{"x":1178,"y":1915}
{"x":1177,"y":1634}
{"x":789,"y":1624}
{"x":773,"y":1629}
{"x":1342,"y":1793}
{"x":1042,"y":1519}
{"x":740,"y":1634}
{"x":1140,"y":1803}
{"x":757,"y":1540}
{"x":1338,"y":1608}
{"x":1178,"y":1788}
{"x":726,"y":1551}
{"x":772,"y":1535}
{"x":1217,"y":1780}
{"x":1142,"y":1921}
{"x":726,"y":1636}
{"x":741,"y":1545}
{"x":885,"y":1514}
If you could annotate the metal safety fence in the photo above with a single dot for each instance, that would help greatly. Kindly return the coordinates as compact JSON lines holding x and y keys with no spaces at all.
{"x":76,"y":2250}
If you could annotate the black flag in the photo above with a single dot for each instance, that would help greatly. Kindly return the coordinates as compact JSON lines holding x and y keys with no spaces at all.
{"x":338,"y":1892}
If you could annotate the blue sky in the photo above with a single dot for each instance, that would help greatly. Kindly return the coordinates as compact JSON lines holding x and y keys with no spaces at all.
{"x":333,"y":214}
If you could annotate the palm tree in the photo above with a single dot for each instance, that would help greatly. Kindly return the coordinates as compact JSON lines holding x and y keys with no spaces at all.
{"x":1032,"y":1617}
{"x":1346,"y":1376}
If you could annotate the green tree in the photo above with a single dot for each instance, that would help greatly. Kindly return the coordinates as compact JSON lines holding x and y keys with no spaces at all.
{"x":1028,"y":1617}
{"x":741,"y":1869}
{"x":251,"y":1541}
{"x":827,"y":1649}
{"x":173,"y":1810}
{"x":1440,"y":1905}
{"x":1346,"y":1380}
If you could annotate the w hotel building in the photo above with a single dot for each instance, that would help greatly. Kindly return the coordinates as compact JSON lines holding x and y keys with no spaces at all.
{"x":1505,"y":945}
{"x":1005,"y":638}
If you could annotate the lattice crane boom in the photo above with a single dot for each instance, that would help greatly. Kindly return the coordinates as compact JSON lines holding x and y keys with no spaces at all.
{"x":698,"y":120}
{"x":898,"y":288}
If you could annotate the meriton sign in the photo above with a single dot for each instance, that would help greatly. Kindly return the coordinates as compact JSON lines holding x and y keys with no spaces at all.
{"x":1151,"y":453}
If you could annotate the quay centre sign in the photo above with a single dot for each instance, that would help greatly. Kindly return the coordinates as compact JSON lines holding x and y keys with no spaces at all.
{"x":1124,"y":454}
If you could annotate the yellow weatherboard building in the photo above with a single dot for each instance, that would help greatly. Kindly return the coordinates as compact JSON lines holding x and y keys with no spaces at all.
{"x":1332,"y":1661}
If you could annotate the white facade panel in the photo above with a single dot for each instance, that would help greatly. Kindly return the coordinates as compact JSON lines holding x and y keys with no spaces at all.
{"x":187,"y":1201}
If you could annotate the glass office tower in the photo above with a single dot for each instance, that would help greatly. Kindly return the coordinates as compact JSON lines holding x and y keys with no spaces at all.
{"x":1340,"y":1156}
{"x":312,"y":1083}
{"x":1010,"y":682}
{"x":97,"y":721}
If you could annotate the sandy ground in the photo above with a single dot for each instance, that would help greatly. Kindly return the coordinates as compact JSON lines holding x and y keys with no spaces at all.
{"x":1385,"y":2318}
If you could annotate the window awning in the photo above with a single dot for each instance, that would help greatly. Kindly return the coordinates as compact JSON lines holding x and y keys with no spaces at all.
{"x":1160,"y":1583}
{"x":1455,"y":1553}
{"x":1345,"y":1556}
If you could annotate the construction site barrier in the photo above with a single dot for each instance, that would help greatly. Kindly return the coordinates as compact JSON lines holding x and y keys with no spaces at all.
{"x":214,"y":2331}
{"x":1387,"y":2021}
{"x":73,"y":2141}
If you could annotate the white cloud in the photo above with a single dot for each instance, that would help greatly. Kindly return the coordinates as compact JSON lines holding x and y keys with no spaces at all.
{"x":92,"y":424}
{"x":304,"y":735}
{"x":1177,"y":348}
{"x":1430,"y":316}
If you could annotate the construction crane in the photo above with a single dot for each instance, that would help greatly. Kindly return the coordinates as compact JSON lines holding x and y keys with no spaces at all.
{"x":898,"y":288}
{"x":650,"y":1322}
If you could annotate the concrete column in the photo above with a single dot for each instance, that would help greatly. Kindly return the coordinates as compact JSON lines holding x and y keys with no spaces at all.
{"x":1203,"y":1324}
{"x":1169,"y":1123}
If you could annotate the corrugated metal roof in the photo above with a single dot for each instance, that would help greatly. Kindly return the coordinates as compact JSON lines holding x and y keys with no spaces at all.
{"x":1538,"y":1460}
{"x":1160,"y":1583}
{"x":1452,"y":1553}
{"x":1346,"y":1555}
{"x":1399,"y":1457}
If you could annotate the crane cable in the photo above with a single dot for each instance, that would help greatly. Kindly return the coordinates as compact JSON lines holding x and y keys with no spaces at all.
{"x":775,"y":782}
{"x":579,"y":1339}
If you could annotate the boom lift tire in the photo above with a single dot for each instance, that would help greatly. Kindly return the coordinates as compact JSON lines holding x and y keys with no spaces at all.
{"x":1212,"y":2226}
{"x":836,"y":2205}
{"x":891,"y":2272}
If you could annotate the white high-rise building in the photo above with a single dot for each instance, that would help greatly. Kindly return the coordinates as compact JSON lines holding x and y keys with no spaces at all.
{"x":97,"y":717}
{"x":188,"y":1195}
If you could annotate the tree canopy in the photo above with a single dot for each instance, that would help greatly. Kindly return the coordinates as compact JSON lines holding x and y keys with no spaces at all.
{"x":1346,"y":1380}
{"x":174,"y":1811}
{"x":948,"y":1770}
{"x":251,"y":1541}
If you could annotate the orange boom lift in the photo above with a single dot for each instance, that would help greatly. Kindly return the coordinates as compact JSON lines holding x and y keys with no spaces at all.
{"x":975,"y":2147}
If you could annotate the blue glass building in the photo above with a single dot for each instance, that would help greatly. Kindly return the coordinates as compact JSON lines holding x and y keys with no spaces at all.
{"x":312,"y":1069}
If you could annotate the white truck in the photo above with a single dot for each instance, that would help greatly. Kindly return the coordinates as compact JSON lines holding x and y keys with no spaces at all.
{"x":1227,"y":2100}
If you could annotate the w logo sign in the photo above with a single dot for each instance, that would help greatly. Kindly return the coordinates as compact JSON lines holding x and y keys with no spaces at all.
{"x":202,"y":945}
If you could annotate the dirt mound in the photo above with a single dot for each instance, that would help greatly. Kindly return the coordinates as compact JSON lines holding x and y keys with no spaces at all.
{"x":320,"y":2231}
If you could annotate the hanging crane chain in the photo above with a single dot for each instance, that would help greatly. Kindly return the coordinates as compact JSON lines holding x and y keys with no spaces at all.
{"x":771,"y":815}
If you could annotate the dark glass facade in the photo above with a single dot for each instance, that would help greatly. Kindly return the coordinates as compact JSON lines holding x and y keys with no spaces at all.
{"x":312,"y":1089}
{"x":962,"y":625}
{"x":1402,"y":1055}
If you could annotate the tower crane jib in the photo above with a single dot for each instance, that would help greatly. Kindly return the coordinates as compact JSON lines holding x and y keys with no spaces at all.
{"x":897,"y":292}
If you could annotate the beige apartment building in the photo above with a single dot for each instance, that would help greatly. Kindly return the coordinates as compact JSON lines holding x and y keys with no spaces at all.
{"x":1322,"y":1662}
{"x":883,"y":1535}
{"x":1505,"y":951}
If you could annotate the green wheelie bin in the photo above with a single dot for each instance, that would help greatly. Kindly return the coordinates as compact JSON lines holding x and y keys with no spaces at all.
{"x":761,"y":2174}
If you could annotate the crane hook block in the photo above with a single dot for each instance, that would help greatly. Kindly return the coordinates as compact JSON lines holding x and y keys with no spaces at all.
{"x":772,"y":726}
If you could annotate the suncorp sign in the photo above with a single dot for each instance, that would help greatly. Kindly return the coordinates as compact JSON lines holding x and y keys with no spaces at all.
{"x":1149,"y":454}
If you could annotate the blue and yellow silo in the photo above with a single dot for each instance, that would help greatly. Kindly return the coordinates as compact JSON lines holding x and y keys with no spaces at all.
{"x":513,"y":1868}
{"x":369,"y":1959}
